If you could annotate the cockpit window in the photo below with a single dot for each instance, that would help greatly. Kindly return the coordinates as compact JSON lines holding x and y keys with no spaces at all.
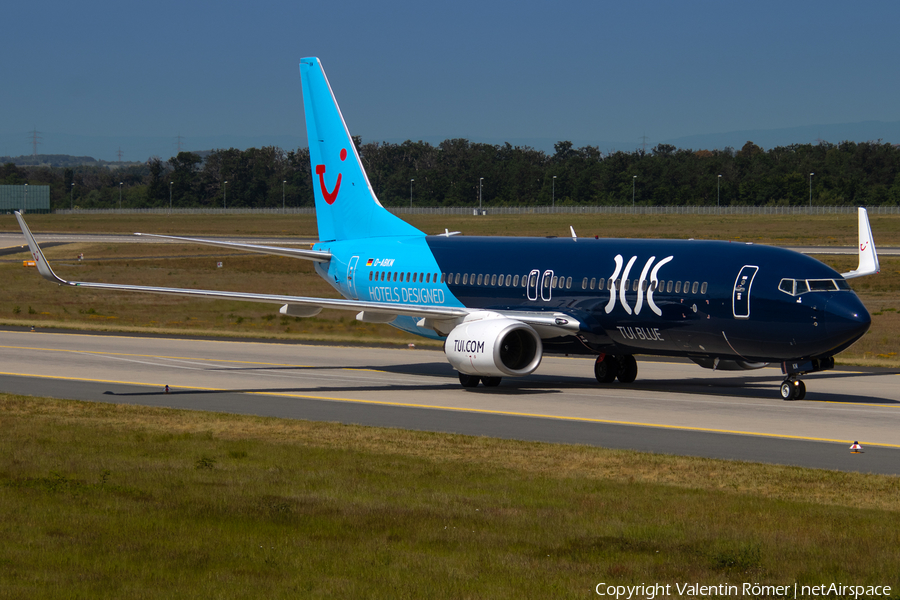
{"x":795,"y":287}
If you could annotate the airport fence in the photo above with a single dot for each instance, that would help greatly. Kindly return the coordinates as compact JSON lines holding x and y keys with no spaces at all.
{"x":513,"y":210}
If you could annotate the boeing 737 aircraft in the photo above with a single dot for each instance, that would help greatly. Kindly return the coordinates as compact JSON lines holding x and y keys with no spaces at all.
{"x":500,"y":303}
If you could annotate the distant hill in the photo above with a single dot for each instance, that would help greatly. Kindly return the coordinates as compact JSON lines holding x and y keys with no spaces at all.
{"x":61,"y":160}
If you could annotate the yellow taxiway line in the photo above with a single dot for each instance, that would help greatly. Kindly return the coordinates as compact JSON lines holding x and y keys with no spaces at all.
{"x":470,"y":410}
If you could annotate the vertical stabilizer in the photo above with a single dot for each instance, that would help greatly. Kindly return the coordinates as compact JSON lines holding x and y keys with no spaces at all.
{"x":346,"y":206}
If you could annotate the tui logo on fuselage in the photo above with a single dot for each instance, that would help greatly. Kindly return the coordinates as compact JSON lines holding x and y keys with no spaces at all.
{"x":331,"y":196}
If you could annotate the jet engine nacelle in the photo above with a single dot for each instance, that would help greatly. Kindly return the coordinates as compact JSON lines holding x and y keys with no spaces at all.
{"x":489,"y":344}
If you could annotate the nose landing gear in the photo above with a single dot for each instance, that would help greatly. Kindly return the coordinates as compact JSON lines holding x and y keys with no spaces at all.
{"x":793,"y":389}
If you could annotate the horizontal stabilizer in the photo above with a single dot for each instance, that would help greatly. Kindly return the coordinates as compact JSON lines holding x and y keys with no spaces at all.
{"x":314,"y":255}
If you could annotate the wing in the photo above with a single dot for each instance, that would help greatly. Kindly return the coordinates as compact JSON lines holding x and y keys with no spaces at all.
{"x":296,"y":305}
{"x":868,"y":257}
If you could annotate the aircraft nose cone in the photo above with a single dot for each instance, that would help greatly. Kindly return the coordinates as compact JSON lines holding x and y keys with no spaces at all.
{"x":846,"y":319}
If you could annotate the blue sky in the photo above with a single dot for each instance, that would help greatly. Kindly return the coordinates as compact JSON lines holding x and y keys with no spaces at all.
{"x":593,"y":72}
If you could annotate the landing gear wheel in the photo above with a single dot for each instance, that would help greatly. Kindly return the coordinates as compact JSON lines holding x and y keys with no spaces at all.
{"x":627,"y":369}
{"x":793,"y":389}
{"x":468,"y":381}
{"x":606,"y":368}
{"x":491,"y":381}
{"x":787,"y":390}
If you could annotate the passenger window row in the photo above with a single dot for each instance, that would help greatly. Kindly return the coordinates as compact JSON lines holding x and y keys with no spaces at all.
{"x":506,"y":280}
{"x":402,"y":277}
{"x":662,"y":286}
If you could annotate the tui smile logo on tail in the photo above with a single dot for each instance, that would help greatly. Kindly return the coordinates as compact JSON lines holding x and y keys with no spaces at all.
{"x":330,"y":197}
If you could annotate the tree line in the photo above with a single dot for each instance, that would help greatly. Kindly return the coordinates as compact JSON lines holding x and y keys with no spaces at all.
{"x":460,"y":173}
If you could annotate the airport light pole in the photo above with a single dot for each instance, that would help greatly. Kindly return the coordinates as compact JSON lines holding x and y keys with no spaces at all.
{"x":25,"y":206}
{"x":72,"y":197}
{"x":633,"y":180}
{"x":120,"y":195}
{"x":718,"y":190}
{"x":810,"y":189}
{"x":553,"y":196}
{"x":170,"y":196}
{"x":480,"y":179}
{"x":410,"y":192}
{"x":282,"y":196}
{"x":225,"y":195}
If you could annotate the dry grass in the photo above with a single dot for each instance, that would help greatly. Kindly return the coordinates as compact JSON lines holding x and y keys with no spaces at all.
{"x":114,"y":501}
{"x":176,"y":265}
{"x":828,"y":230}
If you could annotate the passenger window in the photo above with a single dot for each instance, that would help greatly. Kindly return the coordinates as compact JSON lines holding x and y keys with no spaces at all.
{"x":584,"y":283}
{"x":593,"y":282}
{"x":695,"y":287}
{"x":568,"y":283}
{"x":414,"y":277}
{"x":493,"y":280}
{"x":626,"y":285}
{"x":669,"y":287}
{"x":601,"y":284}
{"x":554,"y":282}
{"x":370,"y":275}
{"x":465,"y":279}
{"x":382,"y":276}
{"x":443,"y":277}
{"x":456,"y":279}
{"x":703,"y":288}
{"x":644,"y":285}
{"x":515,"y":281}
{"x":662,"y":286}
{"x":677,"y":287}
{"x":508,"y":280}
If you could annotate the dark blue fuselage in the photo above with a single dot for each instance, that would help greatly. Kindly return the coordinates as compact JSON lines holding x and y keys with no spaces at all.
{"x":713,"y":313}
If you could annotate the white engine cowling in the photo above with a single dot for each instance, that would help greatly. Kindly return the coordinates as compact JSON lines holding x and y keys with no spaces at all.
{"x":491,"y":345}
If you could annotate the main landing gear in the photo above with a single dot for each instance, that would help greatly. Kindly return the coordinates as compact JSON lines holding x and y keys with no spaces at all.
{"x":470,"y":381}
{"x":609,"y":367}
{"x":793,"y":389}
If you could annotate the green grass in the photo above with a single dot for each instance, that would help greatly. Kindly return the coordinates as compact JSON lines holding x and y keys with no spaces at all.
{"x":115,"y":501}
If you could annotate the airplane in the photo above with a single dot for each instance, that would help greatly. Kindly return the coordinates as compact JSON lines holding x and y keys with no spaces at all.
{"x":500,"y":303}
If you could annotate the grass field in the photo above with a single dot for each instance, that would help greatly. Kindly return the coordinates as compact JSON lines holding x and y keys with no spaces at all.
{"x":103,"y":500}
{"x":27,"y":300}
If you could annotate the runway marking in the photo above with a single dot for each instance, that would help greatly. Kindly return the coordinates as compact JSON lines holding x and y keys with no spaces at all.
{"x":470,"y":410}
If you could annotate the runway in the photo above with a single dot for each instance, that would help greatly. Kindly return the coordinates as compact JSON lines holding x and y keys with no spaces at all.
{"x":674,"y":407}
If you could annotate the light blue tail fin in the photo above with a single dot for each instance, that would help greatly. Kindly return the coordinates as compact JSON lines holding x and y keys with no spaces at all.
{"x":346,"y":206}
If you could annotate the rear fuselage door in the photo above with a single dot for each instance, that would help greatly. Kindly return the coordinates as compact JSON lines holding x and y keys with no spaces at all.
{"x":351,"y":278}
{"x":740,"y":300}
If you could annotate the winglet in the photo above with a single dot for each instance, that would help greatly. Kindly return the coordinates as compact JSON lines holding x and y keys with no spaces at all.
{"x":42,"y":265}
{"x":868,"y":257}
